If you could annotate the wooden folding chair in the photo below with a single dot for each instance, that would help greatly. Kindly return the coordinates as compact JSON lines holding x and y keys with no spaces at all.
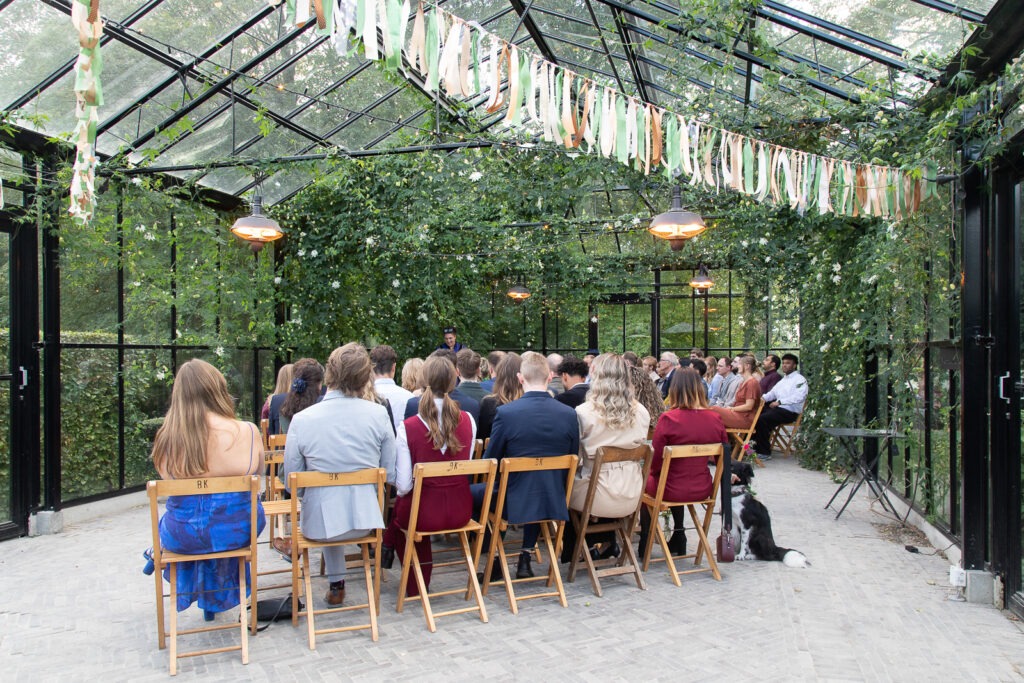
{"x":550,"y":530}
{"x":410,"y":559}
{"x":301,"y":578}
{"x":163,"y":558}
{"x":657,"y":504}
{"x":626,"y":562}
{"x":783,"y":436}
{"x":265,"y":432}
{"x":741,"y":437}
{"x":277,"y":509}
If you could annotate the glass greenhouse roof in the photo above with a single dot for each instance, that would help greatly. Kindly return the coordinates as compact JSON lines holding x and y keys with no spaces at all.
{"x":189,"y":82}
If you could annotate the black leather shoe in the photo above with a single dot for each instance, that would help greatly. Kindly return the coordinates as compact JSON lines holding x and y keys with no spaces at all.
{"x":523,"y":569}
{"x":387,"y":556}
{"x":496,"y":574}
{"x":677,"y":544}
{"x":610,"y":550}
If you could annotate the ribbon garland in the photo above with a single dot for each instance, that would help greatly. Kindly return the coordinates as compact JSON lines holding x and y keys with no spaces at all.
{"x":85,"y":17}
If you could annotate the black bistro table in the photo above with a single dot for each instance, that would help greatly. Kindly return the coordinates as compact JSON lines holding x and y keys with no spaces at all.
{"x":866,"y":471}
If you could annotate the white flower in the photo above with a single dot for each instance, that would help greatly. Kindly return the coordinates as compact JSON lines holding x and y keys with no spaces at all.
{"x":396,"y":283}
{"x":764,"y":298}
{"x":821,"y":327}
{"x":856,"y":324}
{"x":301,"y":253}
{"x":277,"y":280}
{"x":423,"y":317}
{"x":469,"y":257}
{"x":370,"y":241}
{"x":817,"y":277}
{"x":160,"y":374}
{"x":150,"y":236}
{"x":140,"y":228}
{"x":744,"y":244}
{"x":314,"y":253}
{"x":475,"y":176}
{"x":825,"y":347}
{"x":840,"y":387}
{"x":763,"y":242}
{"x":836,"y":279}
{"x":219,"y":351}
{"x":767,"y":259}
{"x":873,"y":279}
{"x":837,"y":266}
{"x":590,"y":269}
{"x":136,"y":284}
{"x":335,"y":285}
{"x":811,"y":413}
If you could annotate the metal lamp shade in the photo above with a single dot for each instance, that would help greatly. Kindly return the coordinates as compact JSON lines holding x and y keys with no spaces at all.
{"x":257,"y":228}
{"x":677,"y":225}
{"x":519,"y":293}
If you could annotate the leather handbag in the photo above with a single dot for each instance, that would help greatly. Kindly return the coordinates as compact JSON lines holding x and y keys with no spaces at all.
{"x":725,"y":547}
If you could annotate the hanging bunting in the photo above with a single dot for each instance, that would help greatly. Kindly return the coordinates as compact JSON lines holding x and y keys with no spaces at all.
{"x":85,"y":18}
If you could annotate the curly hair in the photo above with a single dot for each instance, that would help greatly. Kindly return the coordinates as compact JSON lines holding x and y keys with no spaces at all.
{"x":307,"y":376}
{"x":646,"y":393}
{"x":611,"y":390}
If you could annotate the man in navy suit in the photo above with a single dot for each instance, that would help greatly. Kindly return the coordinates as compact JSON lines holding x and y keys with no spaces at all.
{"x":532,"y":426}
{"x":470,"y":405}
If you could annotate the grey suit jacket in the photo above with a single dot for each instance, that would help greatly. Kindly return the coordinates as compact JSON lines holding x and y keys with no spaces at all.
{"x":340,"y":434}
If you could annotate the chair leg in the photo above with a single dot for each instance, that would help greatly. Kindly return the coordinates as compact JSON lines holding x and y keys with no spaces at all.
{"x":705,"y":544}
{"x":310,"y":611}
{"x":371,"y":597}
{"x":296,"y":586}
{"x":709,"y":512}
{"x":650,"y":536}
{"x":422,"y":585}
{"x":553,"y":573}
{"x":243,"y":613}
{"x":506,"y":575}
{"x":576,"y":519}
{"x":403,"y":582}
{"x":628,"y":555}
{"x":174,"y":618}
{"x":669,"y":560}
{"x":253,"y":592}
{"x":158,"y":576}
{"x":474,"y":585}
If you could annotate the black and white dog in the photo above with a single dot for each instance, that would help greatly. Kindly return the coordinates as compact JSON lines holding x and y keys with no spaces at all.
{"x":752,"y":527}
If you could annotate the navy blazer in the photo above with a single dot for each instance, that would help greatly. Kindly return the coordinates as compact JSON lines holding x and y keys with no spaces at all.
{"x":534,"y":425}
{"x":412,"y":406}
{"x":274,"y":416}
{"x":574,"y":397}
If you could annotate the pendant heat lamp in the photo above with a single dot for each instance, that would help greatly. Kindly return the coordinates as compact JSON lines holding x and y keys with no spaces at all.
{"x":702,"y":282}
{"x":257,"y":229}
{"x":677,"y":225}
{"x":519,"y":292}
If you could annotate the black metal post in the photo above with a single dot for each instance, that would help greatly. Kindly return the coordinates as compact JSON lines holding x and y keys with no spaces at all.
{"x":871,"y":406}
{"x":592,"y":326}
{"x":51,"y":353}
{"x":119,"y":219}
{"x":656,"y":315}
{"x":705,"y":322}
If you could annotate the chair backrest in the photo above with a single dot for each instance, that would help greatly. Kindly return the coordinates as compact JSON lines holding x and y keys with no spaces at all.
{"x":705,"y":451}
{"x":376,"y":476}
{"x":452,"y":468}
{"x":757,"y":416}
{"x":265,"y":432}
{"x":642,"y":455}
{"x":478,"y":449}
{"x":536,"y":464}
{"x":276,"y":442}
{"x":273,"y":461}
{"x":244,"y":483}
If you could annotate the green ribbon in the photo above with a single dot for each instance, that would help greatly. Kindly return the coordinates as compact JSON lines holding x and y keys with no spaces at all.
{"x":433,"y":52}
{"x":621,"y":144}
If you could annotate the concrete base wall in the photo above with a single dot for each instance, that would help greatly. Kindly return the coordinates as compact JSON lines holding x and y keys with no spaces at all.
{"x":53,"y":522}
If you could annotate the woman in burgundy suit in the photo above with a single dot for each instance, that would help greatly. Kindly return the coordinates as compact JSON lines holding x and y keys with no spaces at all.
{"x":688,"y":421}
{"x":439,"y":433}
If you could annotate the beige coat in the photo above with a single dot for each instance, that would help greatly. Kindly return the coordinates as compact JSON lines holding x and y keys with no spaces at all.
{"x":620,"y":485}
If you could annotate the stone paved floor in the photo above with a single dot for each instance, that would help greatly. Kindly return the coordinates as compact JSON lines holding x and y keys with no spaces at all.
{"x":76,"y":607}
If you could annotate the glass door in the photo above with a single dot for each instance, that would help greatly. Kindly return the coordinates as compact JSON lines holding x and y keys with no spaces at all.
{"x":6,"y":377}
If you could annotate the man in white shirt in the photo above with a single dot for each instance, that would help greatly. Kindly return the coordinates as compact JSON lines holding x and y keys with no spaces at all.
{"x":384,"y":361}
{"x":784,"y":403}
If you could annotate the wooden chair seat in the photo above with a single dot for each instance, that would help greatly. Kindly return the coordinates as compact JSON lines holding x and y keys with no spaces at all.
{"x":657,"y":504}
{"x":626,"y":562}
{"x":783,"y":437}
{"x":468,"y":557}
{"x":247,"y":554}
{"x":550,"y":530}
{"x":301,"y":576}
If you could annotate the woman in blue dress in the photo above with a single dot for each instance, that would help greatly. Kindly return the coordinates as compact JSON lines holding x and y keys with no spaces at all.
{"x":200,"y":437}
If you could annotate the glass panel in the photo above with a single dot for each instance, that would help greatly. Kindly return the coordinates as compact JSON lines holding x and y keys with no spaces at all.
{"x":147,"y":269}
{"x":89,"y":429}
{"x":190,"y":27}
{"x":147,"y":391}
{"x":88,"y":277}
{"x":39,"y":40}
{"x":5,"y":384}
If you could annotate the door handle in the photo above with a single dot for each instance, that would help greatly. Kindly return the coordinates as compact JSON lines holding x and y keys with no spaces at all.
{"x":1002,"y":388}
{"x":24,"y":377}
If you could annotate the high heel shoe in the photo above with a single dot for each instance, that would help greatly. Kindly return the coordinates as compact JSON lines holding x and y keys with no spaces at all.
{"x":610,"y":550}
{"x":387,"y":556}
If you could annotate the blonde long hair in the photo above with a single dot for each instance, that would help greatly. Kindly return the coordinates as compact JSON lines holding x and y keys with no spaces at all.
{"x":506,"y":381}
{"x":611,"y":390}
{"x":179,"y":448}
{"x":438,"y":374}
{"x":284,"y":379}
{"x":411,"y":374}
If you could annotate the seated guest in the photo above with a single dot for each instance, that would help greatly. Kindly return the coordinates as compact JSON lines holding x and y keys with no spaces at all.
{"x":467,"y":362}
{"x":439,"y":433}
{"x":770,"y":365}
{"x":370,"y":394}
{"x":506,"y":389}
{"x":573,"y":372}
{"x":535,"y":425}
{"x":632,"y":360}
{"x":696,"y":353}
{"x":467,"y":403}
{"x":725,"y":384}
{"x":701,"y":367}
{"x":647,"y":394}
{"x":307,"y":376}
{"x":712,"y":364}
{"x":740,"y":414}
{"x":610,"y":416}
{"x":284,"y":381}
{"x":410,"y":379}
{"x":385,"y":360}
{"x":666,"y":367}
{"x":450,"y":341}
{"x":650,"y":363}
{"x":342,"y":433}
{"x":200,"y":437}
{"x":688,"y":421}
{"x":555,"y":386}
{"x":784,"y":403}
{"x":493,"y":358}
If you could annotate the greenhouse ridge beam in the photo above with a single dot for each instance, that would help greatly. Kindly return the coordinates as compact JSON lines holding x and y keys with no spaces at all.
{"x":604,"y":45}
{"x":535,"y":33}
{"x":63,"y":70}
{"x":623,"y":26}
{"x":969,"y":15}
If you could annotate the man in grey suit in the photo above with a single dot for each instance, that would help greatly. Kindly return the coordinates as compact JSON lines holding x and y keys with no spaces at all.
{"x":342,"y":433}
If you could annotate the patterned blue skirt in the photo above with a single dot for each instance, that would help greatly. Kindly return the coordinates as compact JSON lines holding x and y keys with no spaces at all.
{"x":208,"y":524}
